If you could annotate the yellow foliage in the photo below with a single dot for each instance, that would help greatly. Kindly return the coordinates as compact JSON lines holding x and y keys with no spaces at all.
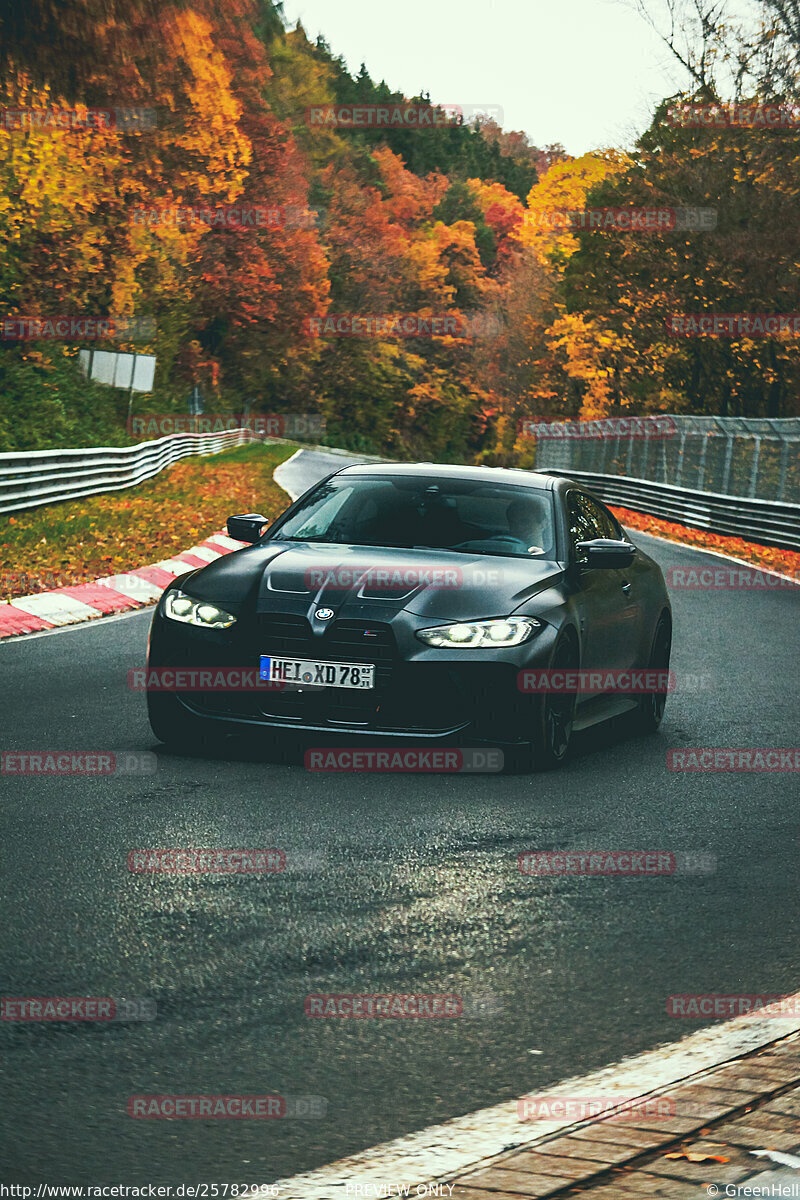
{"x":564,"y":186}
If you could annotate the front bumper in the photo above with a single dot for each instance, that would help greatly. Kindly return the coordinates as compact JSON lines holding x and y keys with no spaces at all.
{"x":421,"y":692}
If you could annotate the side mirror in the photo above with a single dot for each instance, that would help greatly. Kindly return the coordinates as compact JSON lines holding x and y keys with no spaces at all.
{"x":247,"y":527}
{"x":606,"y":553}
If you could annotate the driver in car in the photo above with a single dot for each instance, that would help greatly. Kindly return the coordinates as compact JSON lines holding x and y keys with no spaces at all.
{"x":525,"y":525}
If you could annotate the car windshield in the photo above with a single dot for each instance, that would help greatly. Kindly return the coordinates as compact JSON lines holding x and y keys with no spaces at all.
{"x":418,"y":512}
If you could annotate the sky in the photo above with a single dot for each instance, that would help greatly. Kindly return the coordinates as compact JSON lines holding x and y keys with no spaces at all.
{"x":586,"y":73}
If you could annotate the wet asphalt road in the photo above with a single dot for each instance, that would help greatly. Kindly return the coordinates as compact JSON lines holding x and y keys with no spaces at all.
{"x":393,"y":883}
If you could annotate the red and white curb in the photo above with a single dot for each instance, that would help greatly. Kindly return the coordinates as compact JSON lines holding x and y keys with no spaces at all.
{"x":111,"y":594}
{"x":442,"y":1152}
{"x":117,"y":594}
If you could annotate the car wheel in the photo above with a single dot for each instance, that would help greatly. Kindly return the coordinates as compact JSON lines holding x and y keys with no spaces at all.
{"x":554,"y":715}
{"x":173,"y":726}
{"x":652,"y":705}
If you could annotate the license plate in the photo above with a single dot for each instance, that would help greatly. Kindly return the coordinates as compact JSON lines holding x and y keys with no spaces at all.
{"x":319,"y":674}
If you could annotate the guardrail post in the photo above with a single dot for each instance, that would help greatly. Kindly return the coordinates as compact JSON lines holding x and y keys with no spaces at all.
{"x":645,"y":455}
{"x":603,"y":450}
{"x":784,"y":468}
{"x":681,"y":450}
{"x":726,"y":470}
{"x":701,"y":466}
{"x":754,"y":471}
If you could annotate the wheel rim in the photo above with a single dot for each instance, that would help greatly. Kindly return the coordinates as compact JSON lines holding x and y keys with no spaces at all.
{"x":659,"y":661}
{"x":559,"y":709}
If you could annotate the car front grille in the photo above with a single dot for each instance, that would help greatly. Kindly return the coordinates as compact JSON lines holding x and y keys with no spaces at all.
{"x":408,"y":697}
{"x":344,"y":640}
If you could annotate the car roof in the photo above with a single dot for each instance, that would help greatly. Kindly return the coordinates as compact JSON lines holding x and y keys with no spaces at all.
{"x":425,"y":470}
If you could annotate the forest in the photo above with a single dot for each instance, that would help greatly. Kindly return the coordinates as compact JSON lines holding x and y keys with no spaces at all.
{"x":205,"y":184}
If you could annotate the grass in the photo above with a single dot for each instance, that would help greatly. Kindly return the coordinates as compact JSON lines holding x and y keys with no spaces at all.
{"x":62,"y":544}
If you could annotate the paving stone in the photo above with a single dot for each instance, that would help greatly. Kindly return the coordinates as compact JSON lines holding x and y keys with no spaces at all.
{"x":707,"y":1172}
{"x":775,"y":1121}
{"x":783,"y":1054}
{"x":465,"y":1193}
{"x":553,"y":1164}
{"x":714,"y":1145}
{"x":752,"y":1138}
{"x":754,"y":1081}
{"x":768,"y":1064}
{"x":703,"y":1110}
{"x":789,"y":1104}
{"x":780,"y":1181}
{"x":702,"y":1092}
{"x":572,"y":1147}
{"x":563,"y":1147}
{"x":516,"y":1183}
{"x":774,"y":1069}
{"x":640,"y":1183}
{"x":585,"y":1162}
{"x":674,"y":1125}
{"x":622,"y":1135}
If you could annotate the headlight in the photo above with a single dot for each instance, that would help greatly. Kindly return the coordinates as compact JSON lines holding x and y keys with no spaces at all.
{"x":180,"y":607}
{"x":480,"y":635}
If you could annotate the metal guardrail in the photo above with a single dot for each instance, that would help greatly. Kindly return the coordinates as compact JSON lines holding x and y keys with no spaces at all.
{"x":32,"y":478}
{"x":771,"y":522}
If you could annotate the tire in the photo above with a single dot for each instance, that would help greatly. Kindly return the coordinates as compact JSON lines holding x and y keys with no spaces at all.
{"x":175,"y":727}
{"x":652,"y":704}
{"x":554,"y":714}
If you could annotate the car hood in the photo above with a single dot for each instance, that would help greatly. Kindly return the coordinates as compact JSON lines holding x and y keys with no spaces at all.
{"x":437,"y":584}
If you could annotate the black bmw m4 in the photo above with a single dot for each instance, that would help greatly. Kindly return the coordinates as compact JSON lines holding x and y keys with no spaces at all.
{"x":420,"y":604}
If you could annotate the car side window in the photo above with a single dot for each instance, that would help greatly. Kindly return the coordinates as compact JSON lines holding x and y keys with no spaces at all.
{"x":619,"y":532}
{"x":583,"y":522}
{"x":604,"y":520}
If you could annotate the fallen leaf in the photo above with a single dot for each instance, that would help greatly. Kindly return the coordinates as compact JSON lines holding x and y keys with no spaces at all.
{"x":698,"y":1157}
